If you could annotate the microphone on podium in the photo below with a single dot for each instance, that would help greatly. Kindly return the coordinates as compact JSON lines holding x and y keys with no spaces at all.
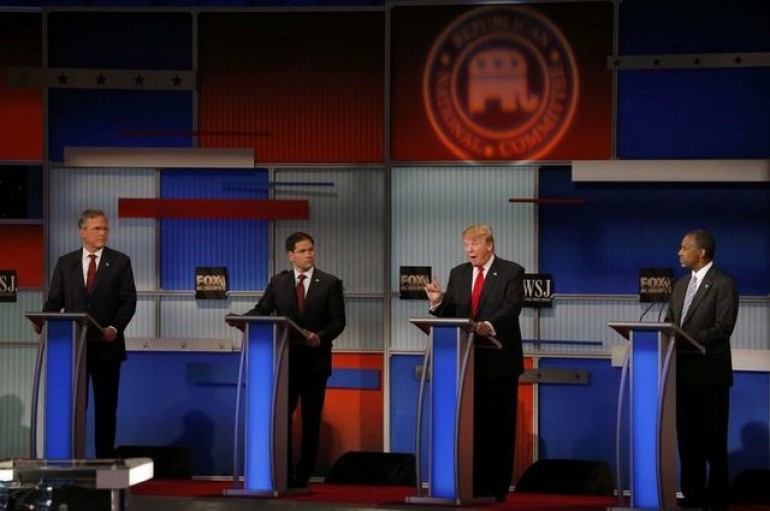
{"x":666,"y":296}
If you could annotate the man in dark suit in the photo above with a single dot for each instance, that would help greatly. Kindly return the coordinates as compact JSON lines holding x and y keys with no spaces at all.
{"x":705,"y":304}
{"x":98,"y":280}
{"x":314,"y":300}
{"x":494,"y":301}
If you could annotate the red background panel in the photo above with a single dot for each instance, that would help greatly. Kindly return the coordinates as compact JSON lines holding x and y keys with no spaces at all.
{"x":21,"y":249}
{"x":297,"y":87}
{"x":21,"y":109}
{"x":586,"y":25}
{"x":352,"y":419}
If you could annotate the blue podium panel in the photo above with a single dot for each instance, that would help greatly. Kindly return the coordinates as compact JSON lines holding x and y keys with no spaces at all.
{"x":260,"y":380}
{"x":449,"y":357}
{"x":59,"y":389}
{"x":444,"y":383}
{"x":645,"y":385}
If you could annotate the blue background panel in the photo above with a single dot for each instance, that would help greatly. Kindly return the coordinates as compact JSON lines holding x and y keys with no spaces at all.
{"x":748,"y":430}
{"x":178,"y":399}
{"x":240,"y":245}
{"x":120,"y":40}
{"x":693,"y":113}
{"x":117,"y":118}
{"x":693,"y":26}
{"x":405,"y":387}
{"x":627,"y":226}
{"x":578,"y":421}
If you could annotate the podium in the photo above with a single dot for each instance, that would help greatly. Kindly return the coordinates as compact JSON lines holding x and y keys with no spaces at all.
{"x":449,"y":357}
{"x":45,"y":480}
{"x":61,"y":356}
{"x":649,"y":369}
{"x":263,"y":378}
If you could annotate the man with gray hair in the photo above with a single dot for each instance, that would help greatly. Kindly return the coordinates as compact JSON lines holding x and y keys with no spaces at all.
{"x":98,"y":280}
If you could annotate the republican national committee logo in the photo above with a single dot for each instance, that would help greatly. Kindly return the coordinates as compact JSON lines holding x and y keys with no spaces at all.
{"x":500,"y":83}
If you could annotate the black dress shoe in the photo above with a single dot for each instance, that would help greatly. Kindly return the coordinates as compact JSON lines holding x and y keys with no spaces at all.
{"x":501,"y":497}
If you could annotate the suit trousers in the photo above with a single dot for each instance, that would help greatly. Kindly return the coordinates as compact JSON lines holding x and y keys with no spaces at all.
{"x":494,"y":435}
{"x":105,"y":380}
{"x":702,"y":417}
{"x":311,"y":393}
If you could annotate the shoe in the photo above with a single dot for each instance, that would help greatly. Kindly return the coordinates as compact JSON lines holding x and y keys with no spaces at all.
{"x":501,"y":497}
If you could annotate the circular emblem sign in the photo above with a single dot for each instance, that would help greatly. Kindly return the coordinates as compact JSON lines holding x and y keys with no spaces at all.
{"x":500,"y":83}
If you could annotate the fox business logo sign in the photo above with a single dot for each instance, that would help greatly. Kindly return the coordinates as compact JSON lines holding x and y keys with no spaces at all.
{"x":501,"y":82}
{"x":211,"y":282}
{"x":8,"y":289}
{"x":412,"y":281}
{"x":538,"y":290}
{"x":655,"y":284}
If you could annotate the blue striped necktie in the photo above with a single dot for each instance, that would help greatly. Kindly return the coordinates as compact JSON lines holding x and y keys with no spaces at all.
{"x":689,"y":296}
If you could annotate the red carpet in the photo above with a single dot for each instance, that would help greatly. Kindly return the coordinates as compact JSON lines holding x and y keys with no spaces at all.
{"x":376,"y":496}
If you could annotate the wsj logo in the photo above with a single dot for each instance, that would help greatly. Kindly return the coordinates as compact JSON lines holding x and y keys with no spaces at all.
{"x":211,"y":282}
{"x":500,"y":83}
{"x":538,"y":290}
{"x":8,"y":290}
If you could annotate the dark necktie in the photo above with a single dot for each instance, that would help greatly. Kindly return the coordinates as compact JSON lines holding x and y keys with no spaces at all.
{"x":91,"y":274}
{"x":300,"y":291}
{"x":477,"y":285}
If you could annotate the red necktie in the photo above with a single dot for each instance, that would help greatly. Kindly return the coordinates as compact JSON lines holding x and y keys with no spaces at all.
{"x":91,"y":273}
{"x":300,"y":291}
{"x":477,"y":285}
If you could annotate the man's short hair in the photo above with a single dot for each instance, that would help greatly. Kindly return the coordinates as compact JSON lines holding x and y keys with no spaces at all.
{"x":87,"y":215}
{"x":479,"y":230}
{"x":704,"y":239}
{"x":295,"y":238}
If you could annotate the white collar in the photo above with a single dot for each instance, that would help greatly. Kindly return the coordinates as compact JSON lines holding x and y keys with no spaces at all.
{"x":308,"y":273}
{"x":98,"y":253}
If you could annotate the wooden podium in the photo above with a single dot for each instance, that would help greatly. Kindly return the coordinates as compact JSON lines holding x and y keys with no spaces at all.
{"x":448,"y":372}
{"x":60,"y":367}
{"x":649,"y":369}
{"x":263,"y":375}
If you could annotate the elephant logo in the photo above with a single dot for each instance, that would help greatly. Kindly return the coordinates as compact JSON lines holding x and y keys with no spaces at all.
{"x":500,"y":83}
{"x":499,"y":73}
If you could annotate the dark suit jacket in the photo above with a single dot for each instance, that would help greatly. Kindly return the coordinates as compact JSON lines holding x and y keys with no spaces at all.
{"x":710,"y":321}
{"x":500,"y":303}
{"x":323,"y":313}
{"x":112,"y":301}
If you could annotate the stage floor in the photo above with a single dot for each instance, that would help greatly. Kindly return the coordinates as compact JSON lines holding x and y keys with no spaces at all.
{"x":159,"y":495}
